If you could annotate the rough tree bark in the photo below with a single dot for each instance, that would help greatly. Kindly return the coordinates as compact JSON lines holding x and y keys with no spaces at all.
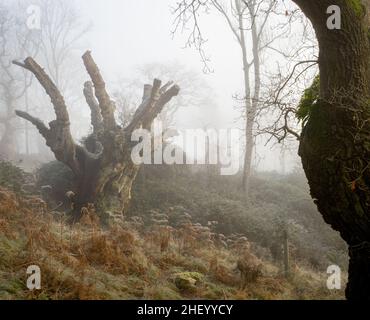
{"x":335,"y":143}
{"x":102,"y":167}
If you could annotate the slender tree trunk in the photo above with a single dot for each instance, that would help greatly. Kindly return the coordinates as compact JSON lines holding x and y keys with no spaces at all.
{"x":248,"y":156}
{"x":252,"y":113}
{"x":247,"y":97}
{"x":283,"y":159}
{"x":251,"y":103}
{"x":335,"y":143}
{"x":8,"y":143}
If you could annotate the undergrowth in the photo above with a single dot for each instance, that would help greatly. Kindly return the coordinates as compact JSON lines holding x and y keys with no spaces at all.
{"x":132,"y":261}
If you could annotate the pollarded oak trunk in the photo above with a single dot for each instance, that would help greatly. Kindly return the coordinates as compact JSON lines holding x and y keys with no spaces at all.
{"x":102,"y":166}
{"x":335,"y":143}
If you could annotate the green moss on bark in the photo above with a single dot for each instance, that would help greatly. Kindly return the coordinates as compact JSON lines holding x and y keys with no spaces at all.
{"x":357,"y":7}
{"x":308,"y":101}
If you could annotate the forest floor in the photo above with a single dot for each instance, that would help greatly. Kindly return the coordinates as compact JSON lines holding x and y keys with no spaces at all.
{"x":126,"y":261}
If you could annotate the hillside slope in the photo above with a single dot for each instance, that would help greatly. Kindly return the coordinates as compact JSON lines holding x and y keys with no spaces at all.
{"x":133,"y":259}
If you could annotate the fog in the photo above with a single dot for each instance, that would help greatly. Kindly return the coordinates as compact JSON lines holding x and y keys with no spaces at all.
{"x":119,"y":185}
{"x":128,"y":34}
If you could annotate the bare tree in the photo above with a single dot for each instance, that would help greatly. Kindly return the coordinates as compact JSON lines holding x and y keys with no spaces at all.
{"x":102,"y":166}
{"x":248,"y":21}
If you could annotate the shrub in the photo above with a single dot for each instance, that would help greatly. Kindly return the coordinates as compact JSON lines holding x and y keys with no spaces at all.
{"x":11,"y":177}
{"x":58,"y":176}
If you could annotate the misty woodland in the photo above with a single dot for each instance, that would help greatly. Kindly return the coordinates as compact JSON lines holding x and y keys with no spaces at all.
{"x":185,"y":149}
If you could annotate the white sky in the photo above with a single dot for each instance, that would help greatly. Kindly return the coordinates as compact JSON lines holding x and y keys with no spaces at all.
{"x":130,"y":33}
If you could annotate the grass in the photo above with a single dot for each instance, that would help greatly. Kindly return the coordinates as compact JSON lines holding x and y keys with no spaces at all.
{"x":84,"y":261}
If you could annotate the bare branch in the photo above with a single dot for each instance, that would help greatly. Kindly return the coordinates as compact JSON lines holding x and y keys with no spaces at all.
{"x":106,"y":105}
{"x":147,"y":91}
{"x":56,"y":98}
{"x":219,"y":7}
{"x":96,"y":118}
{"x":166,"y":87}
{"x":58,"y":137}
{"x":41,"y":127}
{"x":152,"y":106}
{"x":313,"y":62}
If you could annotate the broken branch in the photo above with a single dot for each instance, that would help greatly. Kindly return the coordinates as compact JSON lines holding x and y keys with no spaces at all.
{"x":106,"y":105}
{"x":56,"y":98}
{"x":96,"y":118}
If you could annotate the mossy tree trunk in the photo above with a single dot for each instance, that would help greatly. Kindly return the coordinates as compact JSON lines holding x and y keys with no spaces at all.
{"x":335,"y":142}
{"x":102,"y":166}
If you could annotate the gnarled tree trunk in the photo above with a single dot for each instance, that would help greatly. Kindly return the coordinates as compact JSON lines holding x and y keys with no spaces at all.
{"x":335,"y":143}
{"x":102,"y":167}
